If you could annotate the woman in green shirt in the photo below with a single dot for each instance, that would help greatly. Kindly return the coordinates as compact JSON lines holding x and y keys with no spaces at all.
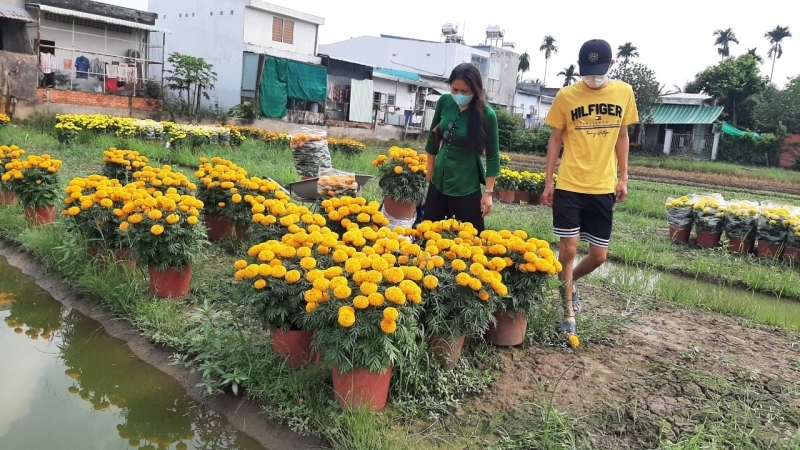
{"x":464,"y":129}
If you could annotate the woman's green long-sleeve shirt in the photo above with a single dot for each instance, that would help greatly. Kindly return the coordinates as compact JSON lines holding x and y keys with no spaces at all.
{"x":459,"y":170}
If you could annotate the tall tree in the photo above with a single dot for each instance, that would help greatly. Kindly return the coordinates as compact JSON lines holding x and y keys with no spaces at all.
{"x":775,"y":37}
{"x":724,"y":40}
{"x":627,"y":51}
{"x":536,"y":81}
{"x":756,"y":56}
{"x":524,"y":65}
{"x":548,"y":47}
{"x":778,"y":108}
{"x":645,"y":86}
{"x":735,"y":84}
{"x":569,"y":74}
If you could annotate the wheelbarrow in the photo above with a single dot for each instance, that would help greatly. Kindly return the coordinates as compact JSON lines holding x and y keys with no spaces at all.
{"x":305,"y":191}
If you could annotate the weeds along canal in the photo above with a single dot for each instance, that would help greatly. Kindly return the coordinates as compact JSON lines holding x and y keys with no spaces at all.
{"x":67,"y":384}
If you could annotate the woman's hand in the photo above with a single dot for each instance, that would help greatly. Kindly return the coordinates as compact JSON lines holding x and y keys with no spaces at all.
{"x":486,"y":204}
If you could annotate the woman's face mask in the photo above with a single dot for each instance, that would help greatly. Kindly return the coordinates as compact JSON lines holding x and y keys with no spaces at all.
{"x":463,"y":100}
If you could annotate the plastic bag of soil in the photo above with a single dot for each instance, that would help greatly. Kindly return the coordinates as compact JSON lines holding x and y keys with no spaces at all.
{"x":793,"y":228}
{"x":310,"y":151}
{"x":403,"y":223}
{"x":770,"y":226}
{"x":740,"y":219}
{"x":334,"y":183}
{"x":709,"y":213}
{"x":679,"y":211}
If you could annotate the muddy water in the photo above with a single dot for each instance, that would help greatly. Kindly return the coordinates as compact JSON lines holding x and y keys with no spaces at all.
{"x":763,"y":308}
{"x":66,"y":384}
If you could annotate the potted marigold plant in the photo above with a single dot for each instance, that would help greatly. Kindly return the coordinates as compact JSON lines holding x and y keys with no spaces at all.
{"x":526,"y":188}
{"x":121,"y":164}
{"x":276,"y":288}
{"x":67,"y":132}
{"x":740,"y":225}
{"x":347,"y":147}
{"x":93,"y":207}
{"x":506,"y":184}
{"x":346,"y":213}
{"x":791,"y":253}
{"x":528,"y":275}
{"x":771,"y":230}
{"x":505,"y":160}
{"x":154,"y":179}
{"x":680,"y":217}
{"x":709,"y":216}
{"x":363,"y":311}
{"x":275,"y":217}
{"x":166,"y":236}
{"x":463,"y":290}
{"x":220,"y":181}
{"x":7,"y":154}
{"x":34,"y":181}
{"x":401,"y":176}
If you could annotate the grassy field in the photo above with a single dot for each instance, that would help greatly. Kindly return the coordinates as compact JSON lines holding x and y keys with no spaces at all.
{"x":431,"y":408}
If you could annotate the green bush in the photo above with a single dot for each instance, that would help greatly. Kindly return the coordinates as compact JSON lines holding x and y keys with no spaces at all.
{"x":531,"y":141}
{"x":508,"y":125}
{"x":750,"y":151}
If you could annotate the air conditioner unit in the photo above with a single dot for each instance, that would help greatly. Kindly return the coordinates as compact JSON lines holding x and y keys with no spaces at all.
{"x":413,"y":88}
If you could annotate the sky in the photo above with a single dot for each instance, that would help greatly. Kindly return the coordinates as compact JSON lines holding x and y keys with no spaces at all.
{"x":674,"y":38}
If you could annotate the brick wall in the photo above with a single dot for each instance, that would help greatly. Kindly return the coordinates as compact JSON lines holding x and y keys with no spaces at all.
{"x":790,"y":150}
{"x":97,"y":100}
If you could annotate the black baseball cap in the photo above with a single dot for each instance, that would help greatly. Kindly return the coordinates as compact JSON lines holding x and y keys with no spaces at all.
{"x":594,"y":57}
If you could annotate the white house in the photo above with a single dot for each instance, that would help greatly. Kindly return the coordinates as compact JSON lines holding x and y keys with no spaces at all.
{"x":238,"y":36}
{"x":682,"y":124}
{"x":532,"y":102}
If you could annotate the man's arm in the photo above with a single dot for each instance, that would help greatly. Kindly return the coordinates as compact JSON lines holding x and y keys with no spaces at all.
{"x":553,"y":148}
{"x":622,"y":147}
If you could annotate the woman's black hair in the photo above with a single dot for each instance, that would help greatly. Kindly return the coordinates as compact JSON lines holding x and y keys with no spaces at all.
{"x":477,"y":131}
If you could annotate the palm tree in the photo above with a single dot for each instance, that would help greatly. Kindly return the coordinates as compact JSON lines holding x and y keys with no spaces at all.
{"x":569,"y":74}
{"x":627,"y":51}
{"x":536,"y":81}
{"x":776,"y":51}
{"x":524,"y":64}
{"x":724,"y":39}
{"x":548,"y":47}
{"x":756,"y":56}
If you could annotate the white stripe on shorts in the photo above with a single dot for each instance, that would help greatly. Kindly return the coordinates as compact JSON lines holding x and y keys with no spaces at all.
{"x":567,"y":233}
{"x":594,"y":240}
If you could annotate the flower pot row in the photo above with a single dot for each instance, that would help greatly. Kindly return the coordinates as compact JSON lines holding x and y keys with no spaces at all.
{"x":517,"y":197}
{"x":737,"y":245}
{"x":362,"y":388}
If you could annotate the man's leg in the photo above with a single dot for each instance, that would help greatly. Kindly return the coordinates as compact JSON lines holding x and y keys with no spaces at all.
{"x":596,"y":222}
{"x":596,"y":257}
{"x":567,"y":249}
{"x":567,"y":208}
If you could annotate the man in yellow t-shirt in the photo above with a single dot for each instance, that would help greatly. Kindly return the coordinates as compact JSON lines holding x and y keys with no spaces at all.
{"x":591,"y":119}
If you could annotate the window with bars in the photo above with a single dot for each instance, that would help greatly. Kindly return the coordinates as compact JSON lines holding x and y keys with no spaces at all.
{"x":390,"y":100}
{"x":88,"y":23}
{"x":282,"y":30}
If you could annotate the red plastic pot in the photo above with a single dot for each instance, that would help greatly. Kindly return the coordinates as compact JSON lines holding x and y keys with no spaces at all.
{"x":522,"y":197}
{"x":174,"y":282}
{"x":706,"y":239}
{"x":398,"y":209}
{"x":295,"y":345}
{"x":240,"y":232}
{"x":40,"y":215}
{"x":218,"y":227}
{"x":791,"y":255}
{"x":508,"y":330}
{"x":505,"y":196}
{"x":741,"y":246}
{"x":679,"y":234}
{"x":7,"y":198}
{"x":767,"y":250}
{"x":362,"y":388}
{"x":446,"y":351}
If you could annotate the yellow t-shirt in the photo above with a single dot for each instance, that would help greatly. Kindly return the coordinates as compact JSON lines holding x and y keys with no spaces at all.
{"x":591,"y":120}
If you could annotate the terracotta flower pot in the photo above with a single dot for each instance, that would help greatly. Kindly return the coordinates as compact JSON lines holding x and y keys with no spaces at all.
{"x":505,"y":196}
{"x":507,"y":331}
{"x":398,"y":209}
{"x":40,"y":215}
{"x":791,"y":255}
{"x":7,"y":198}
{"x":767,"y":250}
{"x":174,"y":282}
{"x":362,"y":388}
{"x":295,"y":345}
{"x":740,"y":245}
{"x":706,"y":239}
{"x":522,"y":197}
{"x":240,"y":232}
{"x":679,"y":234}
{"x":536,"y":199}
{"x":446,"y":351}
{"x":218,"y":227}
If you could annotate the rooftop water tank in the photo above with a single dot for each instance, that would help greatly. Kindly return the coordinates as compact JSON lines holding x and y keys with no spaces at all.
{"x":449,"y":29}
{"x":495,"y":31}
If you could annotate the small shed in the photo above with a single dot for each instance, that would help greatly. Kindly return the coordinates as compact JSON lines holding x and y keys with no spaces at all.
{"x":683,"y":124}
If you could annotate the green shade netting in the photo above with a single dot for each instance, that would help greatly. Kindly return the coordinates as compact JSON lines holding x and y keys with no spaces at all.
{"x":272,"y":92}
{"x":306,"y":82}
{"x":283,"y":79}
{"x":733,"y":131}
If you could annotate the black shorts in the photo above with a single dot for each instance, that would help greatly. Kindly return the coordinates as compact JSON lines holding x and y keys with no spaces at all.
{"x":587,"y":216}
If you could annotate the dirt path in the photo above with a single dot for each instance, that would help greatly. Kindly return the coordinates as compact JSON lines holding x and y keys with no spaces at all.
{"x":663,"y":377}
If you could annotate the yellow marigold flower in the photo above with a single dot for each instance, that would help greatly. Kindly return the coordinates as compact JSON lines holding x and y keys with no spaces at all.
{"x":360,"y":302}
{"x":335,"y":272}
{"x":342,"y":292}
{"x":390,"y":313}
{"x":321,"y":284}
{"x":459,"y":265}
{"x":463,"y":279}
{"x":476,"y":269}
{"x":172,"y":219}
{"x":292,"y":276}
{"x":475,"y":284}
{"x":346,"y":318}
{"x":395,"y":295}
{"x":310,"y":307}
{"x":156,"y":229}
{"x":192,"y":220}
{"x":483,"y":295}
{"x":398,"y":170}
{"x":314,"y":275}
{"x":393,"y":275}
{"x":308,"y":263}
{"x":574,"y":341}
{"x":236,"y":198}
{"x":106,"y":203}
{"x":430,"y":282}
{"x":260,"y":284}
{"x":376,"y":299}
{"x":124,"y":226}
{"x":73,"y":211}
{"x":368,"y":288}
{"x":240,"y":264}
{"x":388,"y":326}
{"x":313,"y":296}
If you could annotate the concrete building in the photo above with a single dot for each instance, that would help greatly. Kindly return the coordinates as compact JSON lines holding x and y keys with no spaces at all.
{"x":532,"y":102}
{"x":683,"y":124}
{"x":235,"y":36}
{"x":433,"y":61}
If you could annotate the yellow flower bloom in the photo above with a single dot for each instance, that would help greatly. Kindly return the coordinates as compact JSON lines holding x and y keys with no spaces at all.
{"x":192,"y":220}
{"x":388,"y":326}
{"x":430,"y":282}
{"x":156,"y":229}
{"x":292,"y":276}
{"x":308,"y":263}
{"x":260,"y":284}
{"x":390,"y":313}
{"x":346,"y":318}
{"x":395,"y":295}
{"x":342,"y":292}
{"x":172,"y":219}
{"x":360,"y":302}
{"x":240,"y":264}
